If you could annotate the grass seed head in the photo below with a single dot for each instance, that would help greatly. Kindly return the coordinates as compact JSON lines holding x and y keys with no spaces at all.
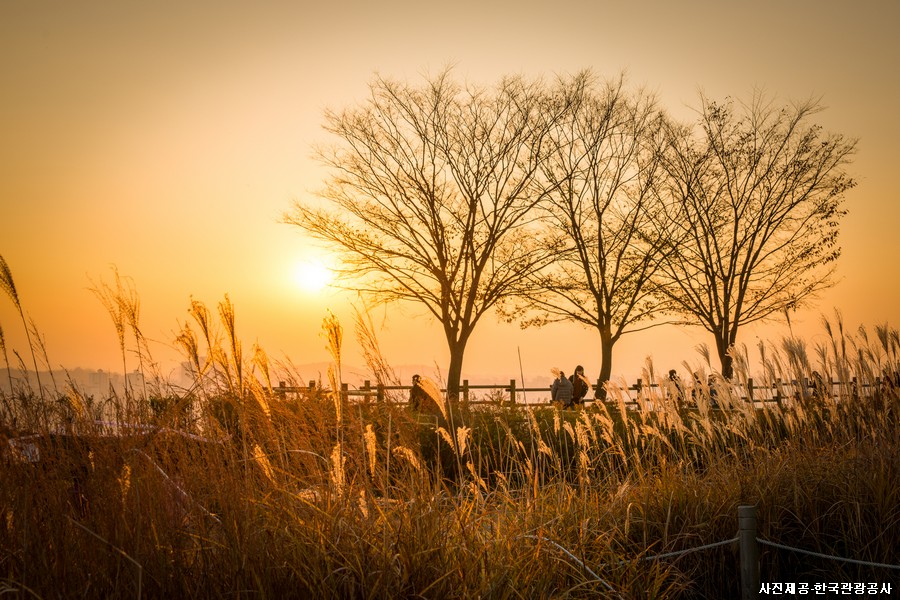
{"x":409,"y":456}
{"x":370,"y":447}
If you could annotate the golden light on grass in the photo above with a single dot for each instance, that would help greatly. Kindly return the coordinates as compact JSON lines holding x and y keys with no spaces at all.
{"x":125,"y":480}
{"x":609,"y":482}
{"x":263,"y":461}
{"x":445,"y":435}
{"x":337,"y":469}
{"x":433,"y":391}
{"x":410,"y":456}
{"x":370,"y":439}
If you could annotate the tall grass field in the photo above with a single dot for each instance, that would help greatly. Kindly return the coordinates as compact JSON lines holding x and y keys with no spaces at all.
{"x":228,"y":489}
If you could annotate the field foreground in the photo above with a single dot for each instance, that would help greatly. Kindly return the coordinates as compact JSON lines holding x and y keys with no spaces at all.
{"x":245,"y":494}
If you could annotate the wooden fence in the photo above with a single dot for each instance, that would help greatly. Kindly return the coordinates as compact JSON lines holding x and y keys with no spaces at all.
{"x":775,"y":392}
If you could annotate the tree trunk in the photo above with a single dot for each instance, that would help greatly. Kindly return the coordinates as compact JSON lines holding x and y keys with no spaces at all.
{"x":454,"y":371}
{"x":723,"y":344}
{"x":606,"y":346}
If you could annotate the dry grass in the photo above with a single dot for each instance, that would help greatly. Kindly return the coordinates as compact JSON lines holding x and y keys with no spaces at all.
{"x":232,"y":490}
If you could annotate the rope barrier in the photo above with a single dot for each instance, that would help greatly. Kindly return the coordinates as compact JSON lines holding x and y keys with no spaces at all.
{"x":643,"y":558}
{"x":183,"y":493}
{"x":573,"y":557}
{"x":827,"y":556}
{"x":681,"y":552}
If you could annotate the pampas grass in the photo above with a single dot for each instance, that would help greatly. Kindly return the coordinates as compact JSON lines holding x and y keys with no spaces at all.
{"x":307,"y":495}
{"x":8,"y":285}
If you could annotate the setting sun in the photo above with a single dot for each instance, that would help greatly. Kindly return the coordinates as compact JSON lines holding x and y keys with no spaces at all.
{"x":312,"y":275}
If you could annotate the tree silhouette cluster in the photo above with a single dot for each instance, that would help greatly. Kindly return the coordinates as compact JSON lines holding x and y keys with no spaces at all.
{"x":578,"y":200}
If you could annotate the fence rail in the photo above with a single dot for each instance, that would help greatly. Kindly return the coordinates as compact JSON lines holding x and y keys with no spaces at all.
{"x":747,"y":542}
{"x":379,"y":392}
{"x":776,"y":392}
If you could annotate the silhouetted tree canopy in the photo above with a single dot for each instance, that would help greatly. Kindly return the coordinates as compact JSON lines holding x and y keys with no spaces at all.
{"x":578,"y":201}
{"x":601,"y":175}
{"x":757,"y":193}
{"x":431,"y":196}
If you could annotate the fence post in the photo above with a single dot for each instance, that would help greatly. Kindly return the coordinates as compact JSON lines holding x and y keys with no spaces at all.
{"x":366,"y":387}
{"x":512,"y":391}
{"x":465,"y":390}
{"x":345,"y":392}
{"x":380,"y":393}
{"x":749,"y":552}
{"x":750,"y":390}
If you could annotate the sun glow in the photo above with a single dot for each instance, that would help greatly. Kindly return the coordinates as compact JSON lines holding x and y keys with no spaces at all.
{"x":312,"y":276}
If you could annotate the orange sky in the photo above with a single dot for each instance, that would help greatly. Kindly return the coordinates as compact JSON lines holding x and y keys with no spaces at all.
{"x":167,"y":138}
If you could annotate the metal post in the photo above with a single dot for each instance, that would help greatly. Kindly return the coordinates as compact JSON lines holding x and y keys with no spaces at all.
{"x":512,"y":391}
{"x":749,"y":552}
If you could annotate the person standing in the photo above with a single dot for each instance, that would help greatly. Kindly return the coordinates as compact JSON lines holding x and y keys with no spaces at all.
{"x":561,"y":391}
{"x":713,"y":384}
{"x":675,"y":391}
{"x":820,"y":389}
{"x":579,"y":386}
{"x":697,"y":390}
{"x":417,"y":394}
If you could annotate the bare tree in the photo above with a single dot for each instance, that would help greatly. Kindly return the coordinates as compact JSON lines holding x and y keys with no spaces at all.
{"x":757,"y":199}
{"x":601,"y":176}
{"x":430,"y":197}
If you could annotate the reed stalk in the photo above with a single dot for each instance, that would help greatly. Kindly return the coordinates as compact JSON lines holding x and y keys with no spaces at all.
{"x":9,"y":286}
